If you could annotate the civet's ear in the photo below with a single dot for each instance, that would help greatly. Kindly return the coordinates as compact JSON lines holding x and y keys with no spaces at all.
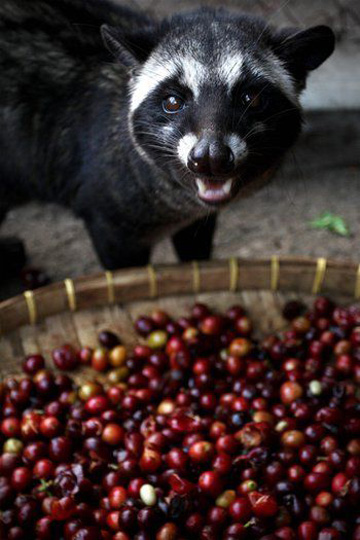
{"x":303,"y":51}
{"x":130,"y":49}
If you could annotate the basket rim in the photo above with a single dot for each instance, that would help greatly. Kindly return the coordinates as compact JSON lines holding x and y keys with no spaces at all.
{"x":306,"y":275}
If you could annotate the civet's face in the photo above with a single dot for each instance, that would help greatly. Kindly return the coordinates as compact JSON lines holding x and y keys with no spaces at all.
{"x":216,"y":102}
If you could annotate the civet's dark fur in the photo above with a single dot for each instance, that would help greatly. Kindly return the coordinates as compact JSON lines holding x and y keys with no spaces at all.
{"x":64,"y":105}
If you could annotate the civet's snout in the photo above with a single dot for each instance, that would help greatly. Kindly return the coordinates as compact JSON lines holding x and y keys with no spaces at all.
{"x":211,"y":157}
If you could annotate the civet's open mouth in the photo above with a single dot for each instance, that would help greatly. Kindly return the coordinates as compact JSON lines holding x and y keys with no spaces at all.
{"x":214,"y":192}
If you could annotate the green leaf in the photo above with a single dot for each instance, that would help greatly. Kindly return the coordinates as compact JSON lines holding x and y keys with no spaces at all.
{"x":332,"y":223}
{"x":340,"y":227}
{"x":45,"y":486}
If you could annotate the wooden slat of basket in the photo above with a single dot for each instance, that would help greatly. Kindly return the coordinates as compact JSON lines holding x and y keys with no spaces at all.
{"x":6,"y":357}
{"x":58,"y":328}
{"x":273,"y":303}
{"x":29,"y":340}
{"x":90,"y":323}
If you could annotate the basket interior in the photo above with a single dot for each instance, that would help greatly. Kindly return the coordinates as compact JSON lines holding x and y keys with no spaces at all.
{"x":81,"y":328}
{"x":75,"y":312}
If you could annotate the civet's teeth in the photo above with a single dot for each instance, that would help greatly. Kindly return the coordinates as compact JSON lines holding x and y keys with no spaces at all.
{"x":227,"y":186}
{"x":201,"y":186}
{"x":212,"y":192}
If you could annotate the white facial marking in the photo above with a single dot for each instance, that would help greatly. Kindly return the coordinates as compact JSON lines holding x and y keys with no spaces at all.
{"x":238,"y":146}
{"x":275,"y":71}
{"x":153,"y":73}
{"x":229,"y":69}
{"x":186,"y":144}
{"x":286,"y":80}
{"x":156,"y":70}
{"x":194,"y":74}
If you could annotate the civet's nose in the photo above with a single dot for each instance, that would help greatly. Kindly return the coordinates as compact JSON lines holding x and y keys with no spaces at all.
{"x":211,"y":158}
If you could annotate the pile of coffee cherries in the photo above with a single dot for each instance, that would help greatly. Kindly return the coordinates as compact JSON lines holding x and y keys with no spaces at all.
{"x":200,"y":432}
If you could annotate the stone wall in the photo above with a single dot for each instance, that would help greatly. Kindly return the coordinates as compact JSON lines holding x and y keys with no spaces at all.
{"x":342,"y":15}
{"x":336,"y":84}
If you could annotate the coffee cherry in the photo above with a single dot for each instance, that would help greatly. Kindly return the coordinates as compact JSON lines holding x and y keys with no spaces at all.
{"x":226,"y":498}
{"x":117,"y":497}
{"x":210,"y":482}
{"x":240,"y":347}
{"x":157,"y":339}
{"x":148,"y":495}
{"x":211,"y":325}
{"x":60,"y":449}
{"x":113,"y":434}
{"x":11,"y":427}
{"x":316,"y":481}
{"x":339,"y":483}
{"x":44,"y":469}
{"x":201,"y":451}
{"x":65,"y":358}
{"x":89,"y":390}
{"x":290,"y":392}
{"x":243,"y":326}
{"x":85,"y":355}
{"x":144,"y":325}
{"x":324,"y":498}
{"x":293,"y":439}
{"x":117,"y":356}
{"x":50,"y":427}
{"x":13,"y":446}
{"x":33,"y":364}
{"x":150,"y":460}
{"x":241,"y":509}
{"x":21,"y":478}
{"x":307,"y":531}
{"x":97,"y":404}
{"x":100,"y":359}
{"x":300,"y":325}
{"x":108,"y":339}
{"x":263,"y":505}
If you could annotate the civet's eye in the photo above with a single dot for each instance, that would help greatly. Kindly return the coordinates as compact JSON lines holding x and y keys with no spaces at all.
{"x":173,"y":104}
{"x":251,"y":100}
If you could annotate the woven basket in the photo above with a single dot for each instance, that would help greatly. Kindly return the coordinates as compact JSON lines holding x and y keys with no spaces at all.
{"x":74,"y":311}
